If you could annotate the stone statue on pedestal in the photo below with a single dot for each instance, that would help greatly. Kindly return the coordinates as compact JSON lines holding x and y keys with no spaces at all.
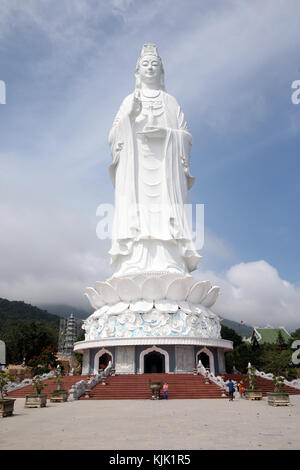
{"x":152,"y":301}
{"x":150,"y":145}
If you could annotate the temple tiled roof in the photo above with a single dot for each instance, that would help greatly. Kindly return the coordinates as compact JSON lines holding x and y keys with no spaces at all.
{"x":270,"y":335}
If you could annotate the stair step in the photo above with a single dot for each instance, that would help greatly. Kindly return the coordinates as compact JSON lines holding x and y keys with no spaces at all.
{"x":136,"y":387}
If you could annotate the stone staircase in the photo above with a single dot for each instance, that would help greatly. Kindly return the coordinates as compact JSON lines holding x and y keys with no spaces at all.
{"x":263,"y":384}
{"x":136,"y":387}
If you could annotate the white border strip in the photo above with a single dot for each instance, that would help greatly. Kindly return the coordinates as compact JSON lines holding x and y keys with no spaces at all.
{"x":81,"y":346}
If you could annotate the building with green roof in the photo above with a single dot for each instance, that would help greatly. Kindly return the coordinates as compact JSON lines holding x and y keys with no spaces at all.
{"x":269,"y":335}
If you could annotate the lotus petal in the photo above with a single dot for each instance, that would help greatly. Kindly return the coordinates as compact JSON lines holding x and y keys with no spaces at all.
{"x":153,"y":289}
{"x":190,"y":281}
{"x":141,"y":306}
{"x":128,"y":290}
{"x":113,"y":281}
{"x":169,"y":278}
{"x":94,"y":298}
{"x":211,"y":297}
{"x":185,"y":306}
{"x":101,"y":311}
{"x":193,"y":308}
{"x":118,"y":308}
{"x":166,"y":306}
{"x":108,"y":293}
{"x":177,"y":290}
{"x":198,"y":292}
{"x":139,"y":279}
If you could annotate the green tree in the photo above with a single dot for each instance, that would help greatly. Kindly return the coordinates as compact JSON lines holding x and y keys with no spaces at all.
{"x":231,"y":335}
{"x":281,"y":341}
{"x":28,"y":339}
{"x":44,"y":361}
{"x":295,"y":334}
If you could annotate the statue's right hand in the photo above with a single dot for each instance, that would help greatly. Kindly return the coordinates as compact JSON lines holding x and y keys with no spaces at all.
{"x":135,"y":105}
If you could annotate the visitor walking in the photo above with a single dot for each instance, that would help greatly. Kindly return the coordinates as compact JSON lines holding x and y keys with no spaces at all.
{"x":241,"y":389}
{"x":230,"y":389}
{"x":165,"y":390}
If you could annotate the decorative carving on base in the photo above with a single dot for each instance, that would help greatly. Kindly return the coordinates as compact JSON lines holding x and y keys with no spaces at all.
{"x":154,"y":323}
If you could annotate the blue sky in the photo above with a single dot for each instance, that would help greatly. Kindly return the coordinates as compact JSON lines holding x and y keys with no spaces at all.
{"x":67,"y":66}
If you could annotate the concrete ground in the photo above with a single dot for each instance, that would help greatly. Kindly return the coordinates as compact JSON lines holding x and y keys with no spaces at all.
{"x":146,"y":424}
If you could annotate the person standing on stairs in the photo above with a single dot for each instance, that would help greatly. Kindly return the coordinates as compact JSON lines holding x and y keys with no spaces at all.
{"x":165,"y":390}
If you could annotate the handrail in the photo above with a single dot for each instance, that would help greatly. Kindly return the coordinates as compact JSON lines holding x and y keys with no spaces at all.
{"x":79,"y":388}
{"x":12,"y":386}
{"x":268,"y":376}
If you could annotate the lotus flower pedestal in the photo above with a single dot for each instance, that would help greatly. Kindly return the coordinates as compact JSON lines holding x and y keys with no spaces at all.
{"x":160,"y":313}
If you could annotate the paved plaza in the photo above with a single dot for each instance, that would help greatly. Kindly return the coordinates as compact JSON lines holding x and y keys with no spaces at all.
{"x":147,"y":425}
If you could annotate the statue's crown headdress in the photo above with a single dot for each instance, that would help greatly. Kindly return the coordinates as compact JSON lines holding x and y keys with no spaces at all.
{"x":148,"y":49}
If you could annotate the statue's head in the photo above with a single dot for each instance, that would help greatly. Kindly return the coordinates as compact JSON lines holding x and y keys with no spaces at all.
{"x":149,"y":67}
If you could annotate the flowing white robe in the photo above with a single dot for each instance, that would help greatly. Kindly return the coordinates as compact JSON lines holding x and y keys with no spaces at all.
{"x":165,"y":242}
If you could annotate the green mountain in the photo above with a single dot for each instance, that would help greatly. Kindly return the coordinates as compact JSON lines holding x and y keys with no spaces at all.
{"x":65,"y":311}
{"x":26,"y":330}
{"x":16,"y":312}
{"x":241,"y":329}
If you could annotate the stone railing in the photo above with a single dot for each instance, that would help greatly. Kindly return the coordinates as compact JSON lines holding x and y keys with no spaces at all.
{"x":77,"y":390}
{"x":217,"y":379}
{"x":293,"y":383}
{"x":11,"y":386}
{"x":81,"y":387}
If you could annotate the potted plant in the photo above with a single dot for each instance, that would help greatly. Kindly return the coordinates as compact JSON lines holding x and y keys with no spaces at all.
{"x":37,"y":399}
{"x":278,"y":397}
{"x":252,"y":392}
{"x":155,"y":389}
{"x":59,"y":395}
{"x":6,"y":404}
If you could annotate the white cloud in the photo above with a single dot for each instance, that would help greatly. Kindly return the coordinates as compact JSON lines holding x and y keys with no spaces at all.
{"x":255,"y":294}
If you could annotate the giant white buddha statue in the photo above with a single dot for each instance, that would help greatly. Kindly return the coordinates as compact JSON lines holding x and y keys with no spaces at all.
{"x":150,"y":145}
{"x":151,"y":293}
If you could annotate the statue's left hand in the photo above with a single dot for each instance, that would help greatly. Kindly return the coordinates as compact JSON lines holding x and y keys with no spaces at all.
{"x":153,"y":131}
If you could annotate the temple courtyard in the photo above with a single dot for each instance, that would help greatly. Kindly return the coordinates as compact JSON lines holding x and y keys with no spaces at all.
{"x":150,"y":424}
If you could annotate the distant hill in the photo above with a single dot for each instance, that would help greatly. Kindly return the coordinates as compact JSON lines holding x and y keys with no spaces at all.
{"x":65,"y":311}
{"x":26,"y":330}
{"x":241,"y":329}
{"x":16,"y":312}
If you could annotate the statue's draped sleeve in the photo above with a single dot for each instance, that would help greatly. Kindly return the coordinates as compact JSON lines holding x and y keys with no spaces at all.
{"x":123,"y":173}
{"x":180,"y":133}
{"x":120,"y":131}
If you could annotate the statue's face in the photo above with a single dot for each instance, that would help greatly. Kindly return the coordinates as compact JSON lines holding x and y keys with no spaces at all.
{"x":149,"y":69}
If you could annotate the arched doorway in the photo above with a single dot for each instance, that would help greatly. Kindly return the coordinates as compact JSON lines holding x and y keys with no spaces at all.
{"x":204,"y":359}
{"x":102,"y":357}
{"x":154,"y":363}
{"x":104,"y":360}
{"x":207,"y":359}
{"x":164,"y":365}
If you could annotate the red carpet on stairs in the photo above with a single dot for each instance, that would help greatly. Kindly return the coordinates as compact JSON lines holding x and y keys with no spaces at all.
{"x":136,"y":387}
